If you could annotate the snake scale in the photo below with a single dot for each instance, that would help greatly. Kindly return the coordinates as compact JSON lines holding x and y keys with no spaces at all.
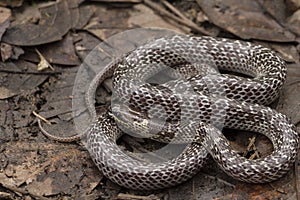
{"x":200,"y":104}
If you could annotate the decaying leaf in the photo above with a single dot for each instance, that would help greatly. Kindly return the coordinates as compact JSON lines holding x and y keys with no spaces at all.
{"x":43,"y":64}
{"x":246,"y":20}
{"x":54,"y":23}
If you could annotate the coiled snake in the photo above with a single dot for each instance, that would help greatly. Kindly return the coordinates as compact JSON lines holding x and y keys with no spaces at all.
{"x":195,"y":107}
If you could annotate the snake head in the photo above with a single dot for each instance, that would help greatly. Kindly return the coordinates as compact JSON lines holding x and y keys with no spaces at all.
{"x":138,"y":124}
{"x":130,"y":121}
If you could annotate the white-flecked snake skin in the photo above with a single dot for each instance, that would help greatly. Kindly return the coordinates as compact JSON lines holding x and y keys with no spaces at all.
{"x":194,"y":108}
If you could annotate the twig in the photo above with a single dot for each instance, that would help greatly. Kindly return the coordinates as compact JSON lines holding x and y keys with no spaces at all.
{"x":141,"y":149}
{"x":41,"y":168}
{"x":293,"y":82}
{"x":251,"y":146}
{"x":174,"y":9}
{"x":122,"y":196}
{"x":297,"y":177}
{"x":120,"y":1}
{"x":219,"y":180}
{"x":193,"y":186}
{"x":164,"y":12}
{"x":34,"y":73}
{"x":103,"y":51}
{"x":19,"y":191}
{"x":281,"y":191}
{"x":40,"y":117}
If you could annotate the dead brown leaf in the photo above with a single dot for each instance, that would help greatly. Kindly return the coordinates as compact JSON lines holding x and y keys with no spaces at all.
{"x":5,"y":14}
{"x":245,"y":19}
{"x":103,"y":25}
{"x":10,"y":52}
{"x":16,"y":83}
{"x":143,"y":16}
{"x":11,"y":3}
{"x":54,"y":23}
{"x":61,"y":52}
{"x":294,"y":22}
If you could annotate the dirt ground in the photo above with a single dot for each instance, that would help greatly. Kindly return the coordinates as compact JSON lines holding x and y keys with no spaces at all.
{"x":43,"y":45}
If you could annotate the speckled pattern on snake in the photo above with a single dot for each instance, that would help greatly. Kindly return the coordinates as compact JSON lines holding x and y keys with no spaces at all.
{"x":201,"y":101}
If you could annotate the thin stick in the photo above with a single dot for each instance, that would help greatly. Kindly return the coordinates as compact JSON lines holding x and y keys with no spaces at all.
{"x":174,"y":9}
{"x":19,"y":191}
{"x":40,"y":117}
{"x":297,"y":177}
{"x":164,"y":12}
{"x":34,"y":73}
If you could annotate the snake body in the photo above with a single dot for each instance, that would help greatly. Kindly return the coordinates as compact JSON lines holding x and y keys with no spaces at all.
{"x":200,"y":103}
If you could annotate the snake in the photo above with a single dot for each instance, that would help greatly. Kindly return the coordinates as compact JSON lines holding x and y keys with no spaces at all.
{"x":200,"y":104}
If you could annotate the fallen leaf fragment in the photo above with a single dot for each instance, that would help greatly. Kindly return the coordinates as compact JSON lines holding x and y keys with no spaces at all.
{"x":54,"y":23}
{"x":5,"y":14}
{"x":245,"y":19}
{"x":10,"y":52}
{"x":5,"y":93}
{"x":18,"y":78}
{"x":43,"y":64}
